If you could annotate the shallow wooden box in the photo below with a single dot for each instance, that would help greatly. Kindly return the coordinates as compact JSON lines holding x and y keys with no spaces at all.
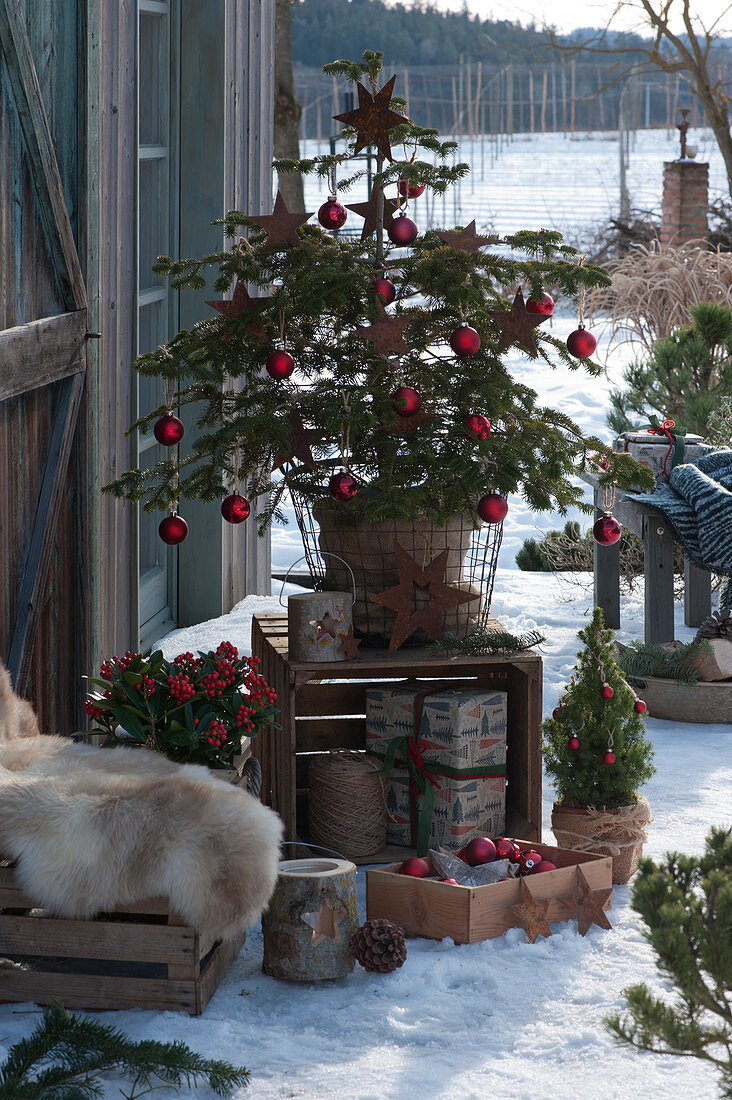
{"x":138,"y":956}
{"x":468,"y":914}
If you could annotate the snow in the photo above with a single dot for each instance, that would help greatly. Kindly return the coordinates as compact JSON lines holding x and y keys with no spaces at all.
{"x":502,"y":1018}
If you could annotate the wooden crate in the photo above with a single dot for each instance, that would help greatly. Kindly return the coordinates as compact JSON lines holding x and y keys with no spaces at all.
{"x":138,"y":956}
{"x":323,"y":707}
{"x":434,"y":909}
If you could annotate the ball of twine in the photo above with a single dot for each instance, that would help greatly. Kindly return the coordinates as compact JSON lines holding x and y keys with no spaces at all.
{"x":347,"y":804}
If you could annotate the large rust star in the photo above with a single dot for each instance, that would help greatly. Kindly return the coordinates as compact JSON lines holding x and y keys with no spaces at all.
{"x":401,"y":597}
{"x":367,"y":211}
{"x":385,"y":333}
{"x":517,"y":326}
{"x":298,"y":443}
{"x":280,"y":225}
{"x":466,"y":240}
{"x":532,"y":914}
{"x":373,"y":119}
{"x":325,"y":923}
{"x":240,"y":302}
{"x":588,"y":905}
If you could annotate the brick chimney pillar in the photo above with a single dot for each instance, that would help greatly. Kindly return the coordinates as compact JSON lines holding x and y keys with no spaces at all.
{"x":685,"y":201}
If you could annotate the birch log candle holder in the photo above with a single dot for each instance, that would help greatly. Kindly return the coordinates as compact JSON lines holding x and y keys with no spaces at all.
{"x":317,"y":622}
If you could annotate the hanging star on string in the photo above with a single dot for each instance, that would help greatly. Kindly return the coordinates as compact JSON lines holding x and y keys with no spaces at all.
{"x":466,"y":240}
{"x":385,"y":334}
{"x":367,"y":211}
{"x":373,"y":119}
{"x":240,"y":302}
{"x":281,"y":226}
{"x":588,"y":905}
{"x":298,"y":443}
{"x":532,"y":914}
{"x":402,"y":597}
{"x":349,"y":644}
{"x":517,"y":326}
{"x":406,"y":425}
{"x":325,"y":923}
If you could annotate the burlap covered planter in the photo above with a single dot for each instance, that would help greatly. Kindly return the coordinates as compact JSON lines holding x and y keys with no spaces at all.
{"x":368,"y":548}
{"x":619,"y":833}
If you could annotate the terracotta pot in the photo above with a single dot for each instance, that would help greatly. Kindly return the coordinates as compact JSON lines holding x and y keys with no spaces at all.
{"x":618,"y":833}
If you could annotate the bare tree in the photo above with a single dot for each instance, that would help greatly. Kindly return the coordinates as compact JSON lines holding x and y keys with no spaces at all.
{"x":686,"y":51}
{"x":287,"y":109}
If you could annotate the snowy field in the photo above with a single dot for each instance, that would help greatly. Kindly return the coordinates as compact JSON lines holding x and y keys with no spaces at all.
{"x":502,"y":1018}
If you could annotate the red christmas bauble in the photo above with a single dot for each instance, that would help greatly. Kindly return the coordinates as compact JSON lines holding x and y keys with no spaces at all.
{"x":235,"y":508}
{"x":384,"y":289}
{"x":478,"y":425}
{"x":506,"y":849}
{"x":606,"y":530}
{"x":479,"y":850}
{"x":450,"y":881}
{"x":279,"y":364}
{"x":581,"y":343}
{"x":173,"y":530}
{"x":168,"y":430}
{"x":640,"y":706}
{"x":407,"y":401}
{"x":543,"y":865}
{"x":492,"y":508}
{"x":574,"y":742}
{"x":544,"y":306}
{"x":527,"y":861}
{"x":609,"y":757}
{"x":557,"y":712}
{"x":408,"y":189}
{"x":416,"y":867}
{"x":465,"y":341}
{"x":402,"y":230}
{"x":332,"y":214}
{"x":342,"y":486}
{"x":606,"y":691}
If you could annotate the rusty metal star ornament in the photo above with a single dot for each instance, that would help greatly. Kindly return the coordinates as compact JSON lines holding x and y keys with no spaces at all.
{"x":298,"y":443}
{"x":281,"y":226}
{"x":407,"y":425}
{"x":517,"y":326}
{"x":240,"y":302}
{"x":588,"y":905}
{"x":349,"y":644}
{"x":532,"y":914}
{"x":367,"y":211}
{"x":466,"y":240}
{"x":385,"y":333}
{"x":402,"y":597}
{"x":373,"y":119}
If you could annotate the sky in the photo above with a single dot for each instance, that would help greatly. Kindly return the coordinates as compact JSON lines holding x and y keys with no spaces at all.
{"x":567,"y":15}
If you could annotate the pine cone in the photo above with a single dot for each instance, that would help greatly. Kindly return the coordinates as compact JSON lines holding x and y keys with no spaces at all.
{"x":718,"y":625}
{"x":379,"y":946}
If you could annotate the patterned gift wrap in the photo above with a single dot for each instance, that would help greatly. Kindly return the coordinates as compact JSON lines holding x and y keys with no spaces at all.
{"x":658,"y":453}
{"x":444,"y":753}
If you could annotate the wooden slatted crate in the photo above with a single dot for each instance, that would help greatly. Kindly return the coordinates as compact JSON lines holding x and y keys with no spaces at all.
{"x":138,"y":956}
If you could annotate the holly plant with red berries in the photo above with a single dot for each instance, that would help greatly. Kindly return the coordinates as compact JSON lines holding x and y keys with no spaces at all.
{"x":595,"y":743}
{"x":195,"y":710}
{"x":369,"y":370}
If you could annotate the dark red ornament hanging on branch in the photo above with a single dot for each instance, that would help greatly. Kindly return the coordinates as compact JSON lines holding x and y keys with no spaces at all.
{"x":342,"y":487}
{"x":581,"y":343}
{"x":640,"y":706}
{"x":410,"y":189}
{"x":402,"y":231}
{"x":168,"y":430}
{"x":279,"y":364}
{"x":606,"y":530}
{"x":606,"y":691}
{"x":478,"y":425}
{"x":465,"y":341}
{"x":407,"y":401}
{"x":574,"y":742}
{"x":173,"y":529}
{"x":332,"y":214}
{"x":493,"y":508}
{"x":384,"y":290}
{"x":543,"y":306}
{"x":235,"y":508}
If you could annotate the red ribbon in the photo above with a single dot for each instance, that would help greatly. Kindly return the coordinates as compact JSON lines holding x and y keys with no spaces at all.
{"x":414,"y":752}
{"x":665,"y":429}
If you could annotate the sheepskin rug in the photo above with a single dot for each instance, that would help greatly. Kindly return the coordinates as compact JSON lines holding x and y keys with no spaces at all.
{"x":92,"y":828}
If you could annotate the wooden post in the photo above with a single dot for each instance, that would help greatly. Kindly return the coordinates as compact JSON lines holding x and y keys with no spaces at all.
{"x":606,"y":574}
{"x":658,"y":548}
{"x":697,"y":593}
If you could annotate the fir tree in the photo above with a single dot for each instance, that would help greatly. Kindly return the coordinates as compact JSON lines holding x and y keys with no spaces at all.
{"x":316,"y":298}
{"x":686,"y":906}
{"x":599,"y":725}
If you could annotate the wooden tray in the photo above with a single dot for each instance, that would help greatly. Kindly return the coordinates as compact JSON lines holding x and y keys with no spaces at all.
{"x":708,"y":702}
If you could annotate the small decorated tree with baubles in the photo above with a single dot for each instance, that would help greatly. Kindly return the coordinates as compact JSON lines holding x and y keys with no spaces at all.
{"x":596,"y":750}
{"x":366,"y":374}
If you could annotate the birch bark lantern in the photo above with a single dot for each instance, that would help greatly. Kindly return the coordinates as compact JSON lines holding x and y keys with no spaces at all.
{"x":310,"y":920}
{"x":317,"y":622}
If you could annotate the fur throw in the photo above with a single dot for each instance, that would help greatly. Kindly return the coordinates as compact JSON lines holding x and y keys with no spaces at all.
{"x":93,"y":828}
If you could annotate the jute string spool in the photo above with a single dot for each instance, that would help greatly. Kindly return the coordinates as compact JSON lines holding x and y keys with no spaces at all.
{"x":347,"y":804}
{"x":618,"y":833}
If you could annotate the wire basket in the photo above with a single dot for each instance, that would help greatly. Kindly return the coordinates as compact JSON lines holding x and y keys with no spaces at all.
{"x":367,"y":548}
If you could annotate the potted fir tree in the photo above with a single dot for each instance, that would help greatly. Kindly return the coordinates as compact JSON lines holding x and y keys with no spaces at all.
{"x":596,"y":750}
{"x":365,"y":375}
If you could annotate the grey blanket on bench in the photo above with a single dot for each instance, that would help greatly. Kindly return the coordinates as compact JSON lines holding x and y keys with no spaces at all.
{"x":697,"y":502}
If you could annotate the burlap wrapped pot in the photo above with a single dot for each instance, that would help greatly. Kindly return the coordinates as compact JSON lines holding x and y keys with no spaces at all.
{"x":619,"y":833}
{"x":369,"y":550}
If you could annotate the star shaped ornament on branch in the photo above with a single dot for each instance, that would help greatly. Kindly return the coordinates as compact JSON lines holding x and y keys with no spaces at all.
{"x":517,"y":326}
{"x":588,"y":905}
{"x":466,"y":240}
{"x":367,"y":211}
{"x":406,"y":425}
{"x":281,"y":226}
{"x":298,"y":443}
{"x":532,"y":914}
{"x":373,"y":119}
{"x":240,"y":302}
{"x":402,"y":598}
{"x":386,"y":334}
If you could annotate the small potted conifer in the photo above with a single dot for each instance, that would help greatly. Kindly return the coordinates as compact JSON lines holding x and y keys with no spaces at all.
{"x":596,"y":750}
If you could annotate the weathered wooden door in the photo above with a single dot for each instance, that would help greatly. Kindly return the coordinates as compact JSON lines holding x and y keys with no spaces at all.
{"x":43,"y":342}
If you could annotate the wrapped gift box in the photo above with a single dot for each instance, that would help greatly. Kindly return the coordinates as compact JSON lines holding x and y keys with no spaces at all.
{"x":652,"y":450}
{"x":461,"y":742}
